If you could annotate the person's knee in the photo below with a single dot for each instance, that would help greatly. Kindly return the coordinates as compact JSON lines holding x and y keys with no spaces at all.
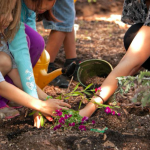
{"x":5,"y":63}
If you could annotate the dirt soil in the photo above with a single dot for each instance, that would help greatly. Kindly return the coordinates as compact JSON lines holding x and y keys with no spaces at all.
{"x":129,"y":131}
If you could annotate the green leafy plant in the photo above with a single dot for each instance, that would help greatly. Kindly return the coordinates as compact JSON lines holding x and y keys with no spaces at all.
{"x":89,"y":1}
{"x":60,"y":115}
{"x":68,"y":119}
{"x":141,"y":85}
{"x":81,"y":94}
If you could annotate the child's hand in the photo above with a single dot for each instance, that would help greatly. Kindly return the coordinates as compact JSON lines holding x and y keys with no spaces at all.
{"x":37,"y":120}
{"x":51,"y":105}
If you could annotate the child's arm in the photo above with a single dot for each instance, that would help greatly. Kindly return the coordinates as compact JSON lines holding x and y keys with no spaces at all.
{"x":19,"y":49}
{"x":31,"y":20}
{"x":20,"y":97}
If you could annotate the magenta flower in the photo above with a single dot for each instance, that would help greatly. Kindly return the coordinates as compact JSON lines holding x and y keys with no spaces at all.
{"x":58,"y":112}
{"x":118,"y":114}
{"x":113,"y":113}
{"x":84,"y":118}
{"x":93,"y":121}
{"x":107,"y":110}
{"x":70,"y":116}
{"x":57,"y":127}
{"x":72,"y":124}
{"x":62,"y":120}
{"x":67,"y":116}
{"x":97,"y":89}
{"x":82,"y":128}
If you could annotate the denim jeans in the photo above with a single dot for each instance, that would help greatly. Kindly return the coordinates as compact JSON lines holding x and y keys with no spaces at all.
{"x":64,"y":11}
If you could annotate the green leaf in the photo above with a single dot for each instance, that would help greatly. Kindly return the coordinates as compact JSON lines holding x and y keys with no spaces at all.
{"x":66,"y":97}
{"x":59,"y":97}
{"x":42,"y":121}
{"x":88,"y":86}
{"x":74,"y":94}
{"x":80,"y":105}
{"x":78,"y":93}
{"x":127,"y":88}
{"x":75,"y":88}
{"x":87,"y":93}
{"x":32,"y":113}
{"x":93,"y":90}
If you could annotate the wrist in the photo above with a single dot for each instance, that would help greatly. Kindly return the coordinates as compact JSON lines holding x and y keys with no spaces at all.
{"x":42,"y":106}
{"x":98,"y":97}
{"x":97,"y":100}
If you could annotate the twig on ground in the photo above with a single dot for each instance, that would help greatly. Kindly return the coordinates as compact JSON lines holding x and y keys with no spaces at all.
{"x":70,"y":83}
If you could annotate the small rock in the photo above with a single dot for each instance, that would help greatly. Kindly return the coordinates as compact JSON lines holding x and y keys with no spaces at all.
{"x":109,"y":144}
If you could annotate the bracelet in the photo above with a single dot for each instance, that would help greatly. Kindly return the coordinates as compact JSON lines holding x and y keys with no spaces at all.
{"x":101,"y":98}
{"x":47,"y":97}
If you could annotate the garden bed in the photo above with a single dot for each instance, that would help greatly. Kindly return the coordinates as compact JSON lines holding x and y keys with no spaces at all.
{"x":129,"y":131}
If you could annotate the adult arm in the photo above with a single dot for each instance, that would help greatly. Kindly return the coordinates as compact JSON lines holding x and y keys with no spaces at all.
{"x":137,"y":54}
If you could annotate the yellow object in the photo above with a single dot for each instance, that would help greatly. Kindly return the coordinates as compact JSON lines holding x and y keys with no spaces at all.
{"x":42,"y":78}
{"x":75,"y":1}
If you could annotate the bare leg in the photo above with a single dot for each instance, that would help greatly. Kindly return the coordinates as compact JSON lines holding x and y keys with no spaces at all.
{"x":70,"y":45}
{"x":5,"y":68}
{"x":5,"y":63}
{"x":55,"y":41}
{"x":14,"y":75}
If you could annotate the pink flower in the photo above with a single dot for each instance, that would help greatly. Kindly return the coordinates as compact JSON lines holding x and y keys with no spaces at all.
{"x":62,"y":120}
{"x":93,"y":121}
{"x":66,"y":116}
{"x":84,"y":118}
{"x":72,"y":124}
{"x":97,"y":89}
{"x":58,"y":112}
{"x":57,"y":127}
{"x":118,"y":114}
{"x":108,"y":110}
{"x":69,"y":116}
{"x":82,"y":128}
{"x":113,"y":112}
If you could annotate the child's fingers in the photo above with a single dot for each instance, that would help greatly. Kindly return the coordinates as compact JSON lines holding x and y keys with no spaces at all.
{"x":64,"y":108}
{"x":65,"y":104}
{"x":37,"y":122}
{"x":49,"y":118}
